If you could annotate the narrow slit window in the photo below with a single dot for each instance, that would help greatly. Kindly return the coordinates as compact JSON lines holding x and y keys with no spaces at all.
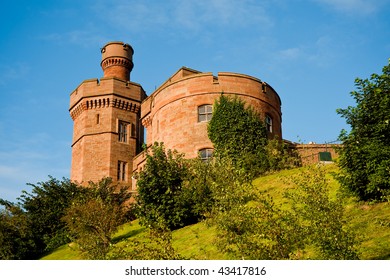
{"x":121,"y":171}
{"x":268,"y":123}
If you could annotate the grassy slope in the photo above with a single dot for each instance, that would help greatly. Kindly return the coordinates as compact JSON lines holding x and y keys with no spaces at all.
{"x":371,"y":222}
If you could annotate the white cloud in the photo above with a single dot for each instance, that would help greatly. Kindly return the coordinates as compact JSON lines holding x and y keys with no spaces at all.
{"x":354,"y":7}
{"x":319,"y":53}
{"x":131,"y":15}
{"x":181,"y":15}
{"x":210,"y":13}
{"x":291,"y":53}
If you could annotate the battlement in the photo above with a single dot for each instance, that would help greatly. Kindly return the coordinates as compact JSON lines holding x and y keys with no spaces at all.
{"x":188,"y":82}
{"x":97,"y":89}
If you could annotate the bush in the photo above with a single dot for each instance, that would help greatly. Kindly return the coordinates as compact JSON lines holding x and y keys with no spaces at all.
{"x":162,"y":195}
{"x":95,"y":215}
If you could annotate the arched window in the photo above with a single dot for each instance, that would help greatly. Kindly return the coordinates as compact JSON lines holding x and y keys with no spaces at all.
{"x":205,"y":112}
{"x":206,"y":154}
{"x":268,"y":123}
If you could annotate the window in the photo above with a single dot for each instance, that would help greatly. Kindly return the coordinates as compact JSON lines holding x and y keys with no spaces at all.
{"x":205,"y":112}
{"x":268,"y":123}
{"x":206,"y":154}
{"x":121,"y":171}
{"x":133,"y":132}
{"x":122,"y":131}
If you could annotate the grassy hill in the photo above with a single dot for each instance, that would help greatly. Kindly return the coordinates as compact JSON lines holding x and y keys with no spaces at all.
{"x":370,"y":221}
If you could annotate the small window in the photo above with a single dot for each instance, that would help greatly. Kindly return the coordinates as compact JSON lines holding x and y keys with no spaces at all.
{"x":97,"y":119}
{"x":268,"y":123}
{"x":121,"y":171}
{"x":206,"y":154}
{"x":133,"y":132}
{"x":122,"y":131}
{"x":205,"y":112}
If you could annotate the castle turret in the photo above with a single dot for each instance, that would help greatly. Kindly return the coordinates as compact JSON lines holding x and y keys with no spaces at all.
{"x":107,"y":132}
{"x":117,"y":60}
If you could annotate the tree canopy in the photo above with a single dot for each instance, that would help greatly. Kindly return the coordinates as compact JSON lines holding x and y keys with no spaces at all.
{"x":33,"y":226}
{"x":365,"y":156}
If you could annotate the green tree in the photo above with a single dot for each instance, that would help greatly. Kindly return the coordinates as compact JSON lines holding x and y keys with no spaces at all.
{"x":36,"y":218}
{"x":280,"y":156}
{"x":365,"y":154}
{"x":95,"y":215}
{"x":238,"y":133}
{"x":321,"y":218}
{"x":44,"y":207}
{"x":162,"y":195}
{"x":251,"y":226}
{"x":16,"y":239}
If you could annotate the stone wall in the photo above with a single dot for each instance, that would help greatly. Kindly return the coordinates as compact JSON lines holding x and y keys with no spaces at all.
{"x":309,"y":153}
{"x":170,"y":114}
{"x":96,"y":108}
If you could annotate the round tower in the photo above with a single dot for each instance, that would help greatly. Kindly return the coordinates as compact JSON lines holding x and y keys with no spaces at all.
{"x":117,"y":60}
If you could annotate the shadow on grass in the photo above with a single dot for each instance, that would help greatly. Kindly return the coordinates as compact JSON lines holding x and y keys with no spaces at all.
{"x":127,"y":235}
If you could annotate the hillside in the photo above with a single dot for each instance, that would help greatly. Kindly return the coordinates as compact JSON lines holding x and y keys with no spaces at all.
{"x":370,"y":221}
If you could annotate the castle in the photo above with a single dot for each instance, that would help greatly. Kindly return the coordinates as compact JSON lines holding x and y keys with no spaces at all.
{"x":110,"y":115}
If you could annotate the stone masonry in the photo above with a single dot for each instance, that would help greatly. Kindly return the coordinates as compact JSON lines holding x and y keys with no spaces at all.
{"x":98,"y":108}
{"x":110,"y":115}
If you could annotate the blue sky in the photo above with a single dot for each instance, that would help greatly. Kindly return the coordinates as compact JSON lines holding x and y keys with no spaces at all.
{"x":309,"y":51}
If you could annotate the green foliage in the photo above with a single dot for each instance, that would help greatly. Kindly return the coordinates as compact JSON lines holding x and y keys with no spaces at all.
{"x":365,"y":155}
{"x":321,"y":218}
{"x":280,"y":156}
{"x":161,"y":192}
{"x":36,"y":219}
{"x":16,"y":238}
{"x":44,"y":208}
{"x":251,"y":226}
{"x":95,"y":215}
{"x":239,"y":134}
{"x":198,"y":187}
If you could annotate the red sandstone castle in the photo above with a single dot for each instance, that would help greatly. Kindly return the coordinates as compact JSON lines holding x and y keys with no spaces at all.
{"x":110,"y":115}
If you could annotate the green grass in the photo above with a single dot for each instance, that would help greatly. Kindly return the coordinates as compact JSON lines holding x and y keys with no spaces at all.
{"x":371,"y":222}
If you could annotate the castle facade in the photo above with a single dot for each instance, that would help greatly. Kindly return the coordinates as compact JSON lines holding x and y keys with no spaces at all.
{"x":110,"y":115}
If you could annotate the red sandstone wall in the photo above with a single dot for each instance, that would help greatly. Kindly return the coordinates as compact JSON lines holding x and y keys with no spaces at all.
{"x":309,"y":153}
{"x":95,"y":109}
{"x":170,"y":114}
